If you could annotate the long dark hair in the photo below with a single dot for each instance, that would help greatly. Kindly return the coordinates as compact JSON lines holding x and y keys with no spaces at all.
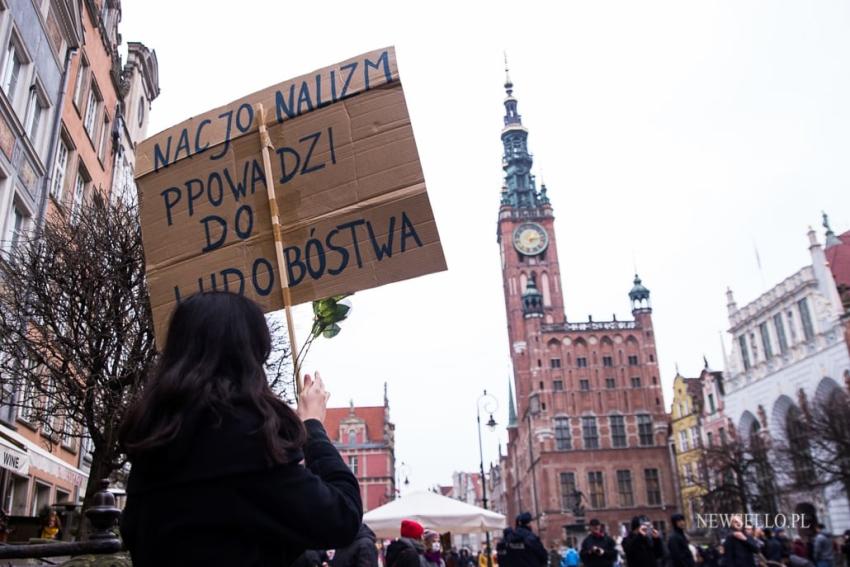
{"x":213,"y":359}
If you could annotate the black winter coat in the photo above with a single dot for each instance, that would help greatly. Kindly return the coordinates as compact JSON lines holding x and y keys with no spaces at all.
{"x":738,"y":553}
{"x":405,"y":552}
{"x":642,"y":551}
{"x":361,"y":553}
{"x":212,"y":497}
{"x":605,"y":543}
{"x":680,"y":552}
{"x":523,"y":548}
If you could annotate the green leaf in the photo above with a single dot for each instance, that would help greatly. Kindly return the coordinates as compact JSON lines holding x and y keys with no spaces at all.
{"x":331,"y":331}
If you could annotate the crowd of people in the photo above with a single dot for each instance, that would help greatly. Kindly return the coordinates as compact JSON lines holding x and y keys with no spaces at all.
{"x":642,"y":546}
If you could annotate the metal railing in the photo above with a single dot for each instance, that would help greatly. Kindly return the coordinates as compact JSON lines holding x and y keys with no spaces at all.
{"x":102,"y":515}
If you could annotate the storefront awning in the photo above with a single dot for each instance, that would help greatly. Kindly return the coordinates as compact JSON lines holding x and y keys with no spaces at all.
{"x":43,"y":460}
{"x":13,"y":458}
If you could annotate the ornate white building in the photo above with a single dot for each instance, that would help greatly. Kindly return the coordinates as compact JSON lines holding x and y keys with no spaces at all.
{"x":788,"y":347}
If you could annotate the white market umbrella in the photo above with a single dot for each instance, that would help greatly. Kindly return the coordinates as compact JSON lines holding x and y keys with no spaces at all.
{"x":433,"y":511}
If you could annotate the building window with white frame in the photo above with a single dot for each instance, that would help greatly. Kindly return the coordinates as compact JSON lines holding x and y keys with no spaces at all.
{"x":81,"y":82}
{"x":780,"y":333}
{"x":79,"y":195}
{"x":13,"y":65}
{"x":59,"y":169}
{"x":695,"y":437}
{"x":19,"y":223}
{"x":36,"y":110}
{"x":683,"y":441}
{"x":354,"y":465}
{"x":745,"y":354}
{"x":103,"y":144}
{"x":806,"y":319}
{"x":765,"y":340}
{"x":95,"y":101}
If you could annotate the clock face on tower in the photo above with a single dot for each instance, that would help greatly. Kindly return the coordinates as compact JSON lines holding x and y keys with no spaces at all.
{"x":530,"y":239}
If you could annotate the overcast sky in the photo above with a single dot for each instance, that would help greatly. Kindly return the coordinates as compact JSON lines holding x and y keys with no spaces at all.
{"x":676,"y":136}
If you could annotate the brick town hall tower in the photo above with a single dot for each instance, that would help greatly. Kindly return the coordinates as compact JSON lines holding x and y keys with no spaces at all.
{"x":588,"y":392}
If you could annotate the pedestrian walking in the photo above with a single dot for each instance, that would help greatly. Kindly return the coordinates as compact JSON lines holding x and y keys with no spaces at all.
{"x":522,"y":546}
{"x":554,"y":555}
{"x":598,"y":549}
{"x":823,"y":553}
{"x":465,"y":559}
{"x":740,"y":547}
{"x":208,"y":435}
{"x":408,"y":550}
{"x":799,"y":548}
{"x":642,"y":546}
{"x":678,"y":544}
{"x":360,"y":553}
{"x":433,"y":551}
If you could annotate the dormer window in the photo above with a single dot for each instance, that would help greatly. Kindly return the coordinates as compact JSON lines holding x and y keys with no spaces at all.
{"x":352,"y":437}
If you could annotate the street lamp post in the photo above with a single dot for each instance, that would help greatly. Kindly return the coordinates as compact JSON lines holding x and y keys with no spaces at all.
{"x":402,"y":471}
{"x":490,"y":406}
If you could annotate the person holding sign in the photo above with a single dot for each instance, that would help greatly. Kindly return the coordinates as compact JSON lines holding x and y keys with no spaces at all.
{"x":216,"y":474}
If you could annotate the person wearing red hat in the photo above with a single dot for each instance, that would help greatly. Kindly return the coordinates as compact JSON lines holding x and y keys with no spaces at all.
{"x":408,"y":550}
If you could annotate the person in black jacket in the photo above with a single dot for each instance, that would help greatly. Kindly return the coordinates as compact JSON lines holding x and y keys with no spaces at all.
{"x":598,"y":548}
{"x":522,"y":547}
{"x":408,"y":550}
{"x":216,"y":477}
{"x":678,"y":544}
{"x":739,"y":548}
{"x":643,"y":546}
{"x":772,"y":549}
{"x":361,"y":553}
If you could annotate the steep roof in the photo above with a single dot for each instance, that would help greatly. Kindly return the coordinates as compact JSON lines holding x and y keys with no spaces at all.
{"x":838,"y":256}
{"x":372,"y":415}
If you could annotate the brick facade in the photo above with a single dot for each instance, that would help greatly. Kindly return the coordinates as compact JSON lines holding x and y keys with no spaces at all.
{"x":590,"y":392}
{"x":365,"y":438}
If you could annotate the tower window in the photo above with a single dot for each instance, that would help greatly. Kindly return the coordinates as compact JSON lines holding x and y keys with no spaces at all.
{"x":581,"y":362}
{"x":610,"y":383}
{"x":635,"y":381}
{"x":558,"y":385}
{"x":618,"y":430}
{"x":563,"y":436}
{"x":652,"y":358}
{"x":584,"y":385}
{"x":555,"y":363}
{"x":645,"y":430}
{"x":607,"y":361}
{"x":633,"y":360}
{"x":589,"y":432}
{"x":541,"y":384}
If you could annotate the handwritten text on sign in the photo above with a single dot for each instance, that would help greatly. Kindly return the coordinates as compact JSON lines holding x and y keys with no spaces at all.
{"x":347,"y":178}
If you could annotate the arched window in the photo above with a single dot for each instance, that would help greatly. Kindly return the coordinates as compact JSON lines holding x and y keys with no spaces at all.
{"x":798,"y":446}
{"x":765,"y":489}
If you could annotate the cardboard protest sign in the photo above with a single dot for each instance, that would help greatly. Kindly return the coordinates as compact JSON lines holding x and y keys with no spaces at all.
{"x":347,"y":179}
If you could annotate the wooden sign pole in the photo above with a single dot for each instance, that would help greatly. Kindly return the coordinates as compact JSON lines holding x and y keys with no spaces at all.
{"x":265,"y":145}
